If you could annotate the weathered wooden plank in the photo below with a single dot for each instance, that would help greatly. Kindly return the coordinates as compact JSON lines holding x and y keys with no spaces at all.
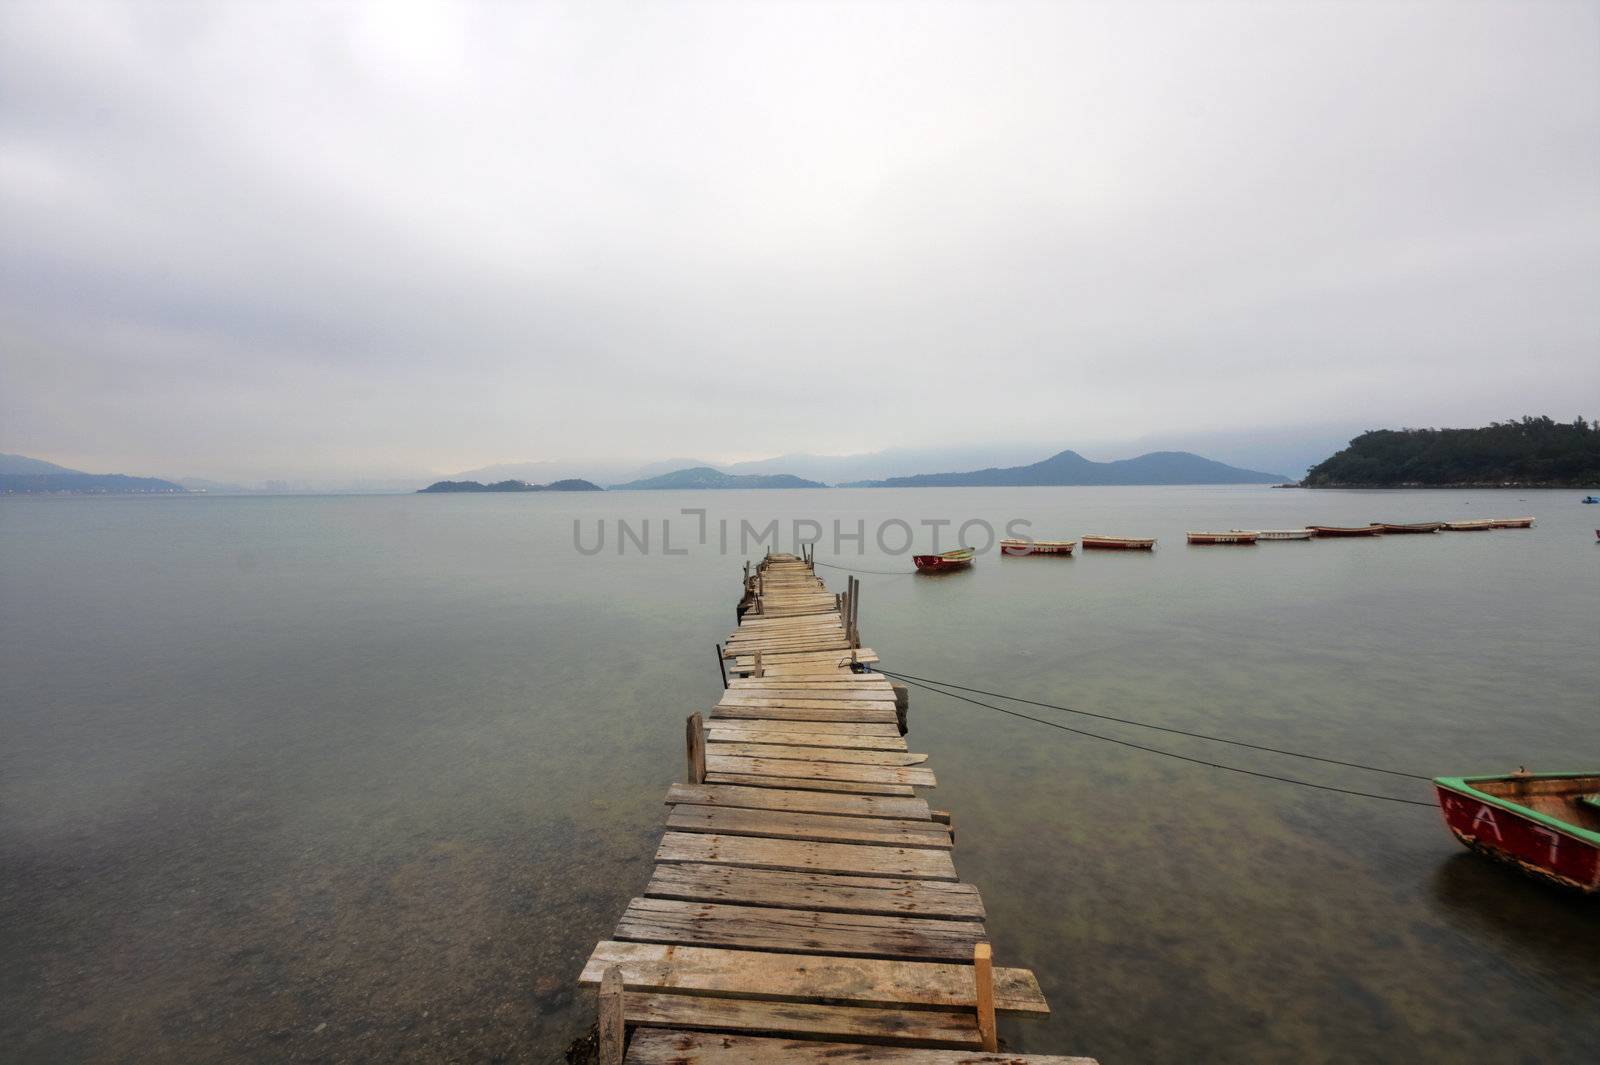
{"x":714,"y":971}
{"x":716,"y":924}
{"x":666,"y":1046}
{"x":843,"y":755}
{"x":812,"y":802}
{"x":912,"y":863}
{"x":791,"y":658}
{"x":891,"y":896}
{"x":919,"y":776}
{"x":803,"y":688}
{"x":952,"y":1028}
{"x":869,"y":680}
{"x":612,"y":1030}
{"x":803,"y":713}
{"x":730,"y":734}
{"x":856,"y":787}
{"x":821,"y":828}
{"x":823,"y":686}
{"x":827,"y":630}
{"x":875,"y":729}
{"x":787,"y":645}
{"x":755,"y":623}
{"x":802,"y":701}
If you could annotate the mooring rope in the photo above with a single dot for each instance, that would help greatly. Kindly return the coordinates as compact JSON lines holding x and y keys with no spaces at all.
{"x":1157,"y":750}
{"x":875,"y":572}
{"x":1159,"y":728}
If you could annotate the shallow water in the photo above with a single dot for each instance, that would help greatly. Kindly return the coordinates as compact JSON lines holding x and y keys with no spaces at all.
{"x":357,"y":779}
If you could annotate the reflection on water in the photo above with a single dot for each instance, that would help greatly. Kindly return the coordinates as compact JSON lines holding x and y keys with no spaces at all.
{"x":364,"y":779}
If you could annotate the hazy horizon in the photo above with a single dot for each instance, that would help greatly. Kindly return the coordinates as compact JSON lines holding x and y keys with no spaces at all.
{"x":382,"y":241}
{"x":1266,"y":454}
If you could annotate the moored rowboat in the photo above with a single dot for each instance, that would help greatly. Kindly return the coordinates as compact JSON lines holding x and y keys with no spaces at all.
{"x":1017,"y":548}
{"x":1282,"y":534}
{"x":1393,"y":528}
{"x":1547,"y":824}
{"x":1117,"y":543}
{"x":1480,"y":525}
{"x":1237,"y":536}
{"x":1513,"y":523}
{"x":1345,"y":530}
{"x":960,"y":558}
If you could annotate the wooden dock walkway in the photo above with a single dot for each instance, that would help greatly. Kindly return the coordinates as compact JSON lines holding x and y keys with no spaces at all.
{"x":805,"y":905}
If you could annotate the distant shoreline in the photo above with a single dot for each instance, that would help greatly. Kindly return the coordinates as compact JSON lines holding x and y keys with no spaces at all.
{"x":1475,"y":486}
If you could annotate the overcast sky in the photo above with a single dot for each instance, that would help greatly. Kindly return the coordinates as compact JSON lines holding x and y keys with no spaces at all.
{"x":284,"y":239}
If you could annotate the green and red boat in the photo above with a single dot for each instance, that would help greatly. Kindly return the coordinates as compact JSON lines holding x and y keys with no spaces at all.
{"x":1547,"y":824}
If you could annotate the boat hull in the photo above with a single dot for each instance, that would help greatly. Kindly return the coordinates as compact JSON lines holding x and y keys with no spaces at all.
{"x":1513,"y":523}
{"x":1284,"y":534}
{"x":942,"y":563}
{"x":1022,"y":548}
{"x":1345,"y":530}
{"x":1469,"y":526}
{"x":1391,"y":529}
{"x":1223,"y":538}
{"x":1116,"y":543}
{"x":1538,"y":844}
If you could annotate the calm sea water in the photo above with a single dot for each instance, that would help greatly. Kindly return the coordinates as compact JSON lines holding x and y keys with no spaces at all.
{"x":364,"y":779}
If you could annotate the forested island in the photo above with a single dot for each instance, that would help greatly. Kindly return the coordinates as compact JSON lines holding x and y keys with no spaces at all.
{"x":572,"y":484}
{"x":1531,"y":453}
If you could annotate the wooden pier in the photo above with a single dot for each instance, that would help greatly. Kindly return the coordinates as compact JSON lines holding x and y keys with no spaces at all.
{"x":805,"y":905}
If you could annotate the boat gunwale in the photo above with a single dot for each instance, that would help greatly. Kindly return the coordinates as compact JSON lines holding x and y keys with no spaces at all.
{"x":1463,"y":786}
{"x":1370,"y":529}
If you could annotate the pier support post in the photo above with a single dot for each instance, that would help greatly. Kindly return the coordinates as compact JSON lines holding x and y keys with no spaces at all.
{"x":902,"y":706}
{"x":722,"y":667}
{"x":613,"y":1021}
{"x":758,"y":671}
{"x":695,"y":741}
{"x":983,"y":973}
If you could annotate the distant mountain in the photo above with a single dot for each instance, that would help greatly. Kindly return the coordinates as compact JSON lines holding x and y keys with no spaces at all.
{"x":84,"y":484}
{"x":1293,"y":449}
{"x":24,"y":465}
{"x":706,"y":477}
{"x":601,"y":471}
{"x":1531,"y":453}
{"x":572,"y":484}
{"x":890,"y":462}
{"x":1071,"y":468}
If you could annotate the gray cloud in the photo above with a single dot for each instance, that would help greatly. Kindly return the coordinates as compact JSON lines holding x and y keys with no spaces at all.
{"x":283,"y":240}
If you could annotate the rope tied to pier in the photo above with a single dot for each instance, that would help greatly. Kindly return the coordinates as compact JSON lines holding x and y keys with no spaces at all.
{"x":933,"y":687}
{"x":1159,"y":728}
{"x":874,"y":572}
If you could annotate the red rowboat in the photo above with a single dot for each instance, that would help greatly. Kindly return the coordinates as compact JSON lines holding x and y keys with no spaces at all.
{"x":1547,"y":824}
{"x":1018,"y":548}
{"x":1345,"y":530}
{"x":1223,"y":537}
{"x":1390,"y":528}
{"x":1116,"y":543}
{"x":1513,"y":523}
{"x":960,"y":558}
